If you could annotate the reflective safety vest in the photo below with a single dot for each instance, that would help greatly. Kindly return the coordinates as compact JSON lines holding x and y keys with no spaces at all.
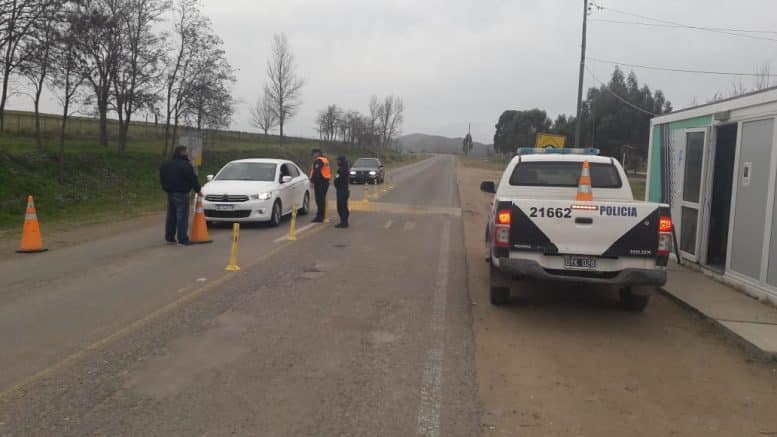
{"x":326,"y":171}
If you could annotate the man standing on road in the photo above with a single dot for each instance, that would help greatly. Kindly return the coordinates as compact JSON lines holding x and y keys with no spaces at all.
{"x":178,"y":179}
{"x":341,"y":185}
{"x":320,"y":174}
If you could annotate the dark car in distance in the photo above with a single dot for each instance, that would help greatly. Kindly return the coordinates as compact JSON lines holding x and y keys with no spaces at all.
{"x":367,"y":170}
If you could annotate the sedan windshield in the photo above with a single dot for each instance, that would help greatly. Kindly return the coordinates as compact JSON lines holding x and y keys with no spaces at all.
{"x":367,"y":163}
{"x":247,"y":171}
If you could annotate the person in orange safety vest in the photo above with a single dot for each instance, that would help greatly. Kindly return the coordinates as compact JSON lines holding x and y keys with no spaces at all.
{"x":320,"y":175}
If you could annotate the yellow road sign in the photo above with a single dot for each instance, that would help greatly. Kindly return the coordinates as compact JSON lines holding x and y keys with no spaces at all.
{"x":550,"y":140}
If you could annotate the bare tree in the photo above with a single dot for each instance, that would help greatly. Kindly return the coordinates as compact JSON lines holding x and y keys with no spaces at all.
{"x":262,"y":115}
{"x":391,"y":118}
{"x":211,"y":105}
{"x":328,"y":122}
{"x":192,"y":37}
{"x":373,"y":121}
{"x":763,"y":76}
{"x":67,"y":79}
{"x":37,"y":58}
{"x":284,"y":86}
{"x":137,"y":64}
{"x":18,"y":18}
{"x":97,"y":30}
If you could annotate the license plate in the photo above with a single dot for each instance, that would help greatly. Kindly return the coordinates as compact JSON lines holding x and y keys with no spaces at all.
{"x":580,"y":262}
{"x":225,"y":207}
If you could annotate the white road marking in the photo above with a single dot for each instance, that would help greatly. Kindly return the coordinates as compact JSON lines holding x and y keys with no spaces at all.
{"x":409,"y":226}
{"x":388,"y":224}
{"x":431,"y":381}
{"x":299,"y":231}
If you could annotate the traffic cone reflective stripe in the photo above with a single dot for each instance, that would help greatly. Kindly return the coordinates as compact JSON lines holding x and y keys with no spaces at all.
{"x":32,"y":241}
{"x":199,"y":232}
{"x":584,"y":192}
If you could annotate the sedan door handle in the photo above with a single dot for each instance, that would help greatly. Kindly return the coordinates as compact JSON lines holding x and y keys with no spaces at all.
{"x":584,"y":220}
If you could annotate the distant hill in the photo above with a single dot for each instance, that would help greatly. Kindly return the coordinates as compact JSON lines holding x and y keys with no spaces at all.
{"x":422,"y":143}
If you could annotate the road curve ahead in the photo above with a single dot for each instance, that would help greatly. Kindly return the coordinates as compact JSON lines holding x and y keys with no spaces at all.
{"x":364,"y":331}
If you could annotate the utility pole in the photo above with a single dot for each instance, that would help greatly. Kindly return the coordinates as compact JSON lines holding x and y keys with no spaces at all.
{"x":578,"y":120}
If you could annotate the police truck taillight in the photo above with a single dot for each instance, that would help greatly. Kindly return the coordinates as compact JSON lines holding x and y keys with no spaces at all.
{"x":664,"y":236}
{"x":502,"y":228}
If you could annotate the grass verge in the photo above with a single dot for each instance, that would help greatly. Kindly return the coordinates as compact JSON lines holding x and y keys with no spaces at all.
{"x":101,"y":185}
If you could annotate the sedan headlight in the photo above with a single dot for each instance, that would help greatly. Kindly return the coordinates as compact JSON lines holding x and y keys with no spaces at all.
{"x":373,"y":173}
{"x":261,"y":196}
{"x":353,"y":172}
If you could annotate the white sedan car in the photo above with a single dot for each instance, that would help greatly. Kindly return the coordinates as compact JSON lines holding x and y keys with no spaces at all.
{"x":256,"y":190}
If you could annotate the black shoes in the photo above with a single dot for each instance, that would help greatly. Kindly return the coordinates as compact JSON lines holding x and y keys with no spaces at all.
{"x":317,"y":220}
{"x":342,"y":225}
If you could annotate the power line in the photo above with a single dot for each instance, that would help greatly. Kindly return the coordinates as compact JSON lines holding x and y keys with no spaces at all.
{"x":606,"y":88}
{"x":681,"y":70}
{"x":730,"y":32}
{"x":682,"y":26}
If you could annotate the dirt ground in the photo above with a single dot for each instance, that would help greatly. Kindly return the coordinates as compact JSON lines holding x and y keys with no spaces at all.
{"x":565,"y":360}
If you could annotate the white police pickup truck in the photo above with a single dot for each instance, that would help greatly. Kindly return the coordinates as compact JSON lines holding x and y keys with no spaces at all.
{"x":544,"y":225}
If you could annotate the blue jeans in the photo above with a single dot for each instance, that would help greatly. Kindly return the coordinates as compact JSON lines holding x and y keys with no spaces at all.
{"x":177,"y":217}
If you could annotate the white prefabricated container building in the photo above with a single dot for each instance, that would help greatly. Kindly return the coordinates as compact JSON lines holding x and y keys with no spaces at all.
{"x":716,"y":165}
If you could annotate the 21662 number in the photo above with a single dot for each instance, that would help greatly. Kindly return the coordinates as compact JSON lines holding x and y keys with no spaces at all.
{"x":551,"y":212}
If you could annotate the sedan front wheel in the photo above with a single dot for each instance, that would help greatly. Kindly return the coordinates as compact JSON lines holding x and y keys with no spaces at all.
{"x":275,"y":218}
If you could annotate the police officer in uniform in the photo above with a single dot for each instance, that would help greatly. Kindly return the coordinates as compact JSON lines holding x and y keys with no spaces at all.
{"x":343,"y":192}
{"x":320,"y":174}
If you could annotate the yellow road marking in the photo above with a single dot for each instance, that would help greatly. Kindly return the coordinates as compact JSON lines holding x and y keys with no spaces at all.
{"x":136,"y":325}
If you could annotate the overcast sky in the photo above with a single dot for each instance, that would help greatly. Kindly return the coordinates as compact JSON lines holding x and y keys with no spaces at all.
{"x":460,"y":61}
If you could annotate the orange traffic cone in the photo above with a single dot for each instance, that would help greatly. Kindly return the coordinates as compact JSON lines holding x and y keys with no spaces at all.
{"x":584,"y":192}
{"x":199,"y":232}
{"x":32,"y":242}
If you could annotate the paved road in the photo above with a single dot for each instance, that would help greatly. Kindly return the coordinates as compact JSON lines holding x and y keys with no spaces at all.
{"x":357,"y":332}
{"x":382,"y":329}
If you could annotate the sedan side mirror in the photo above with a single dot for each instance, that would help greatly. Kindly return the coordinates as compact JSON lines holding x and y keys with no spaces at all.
{"x":488,"y":187}
{"x":209,"y":177}
{"x":285,"y":179}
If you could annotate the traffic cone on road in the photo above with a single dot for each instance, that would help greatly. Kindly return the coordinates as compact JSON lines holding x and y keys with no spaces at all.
{"x":199,"y":232}
{"x":584,"y":192}
{"x":32,"y":242}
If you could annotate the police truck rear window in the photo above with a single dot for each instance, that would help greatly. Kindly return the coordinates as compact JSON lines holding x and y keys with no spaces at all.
{"x":563,"y":174}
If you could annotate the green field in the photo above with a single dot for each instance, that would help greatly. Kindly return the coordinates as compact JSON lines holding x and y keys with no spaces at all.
{"x":102,"y":185}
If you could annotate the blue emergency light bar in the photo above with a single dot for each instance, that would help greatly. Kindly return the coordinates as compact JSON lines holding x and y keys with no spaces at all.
{"x":557,"y":151}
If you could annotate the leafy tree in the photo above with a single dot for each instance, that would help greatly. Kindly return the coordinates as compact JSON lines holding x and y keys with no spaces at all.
{"x":619,"y":113}
{"x":467,"y":144}
{"x":519,"y":129}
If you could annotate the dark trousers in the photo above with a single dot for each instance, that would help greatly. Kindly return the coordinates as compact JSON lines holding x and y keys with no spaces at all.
{"x":342,"y":205}
{"x":320,"y":190}
{"x":177,"y":217}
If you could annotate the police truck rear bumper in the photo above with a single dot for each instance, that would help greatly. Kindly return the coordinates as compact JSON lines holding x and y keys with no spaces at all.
{"x":622,"y":278}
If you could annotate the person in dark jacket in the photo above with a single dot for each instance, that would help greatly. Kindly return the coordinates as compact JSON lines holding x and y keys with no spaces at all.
{"x":343,"y":191}
{"x":320,"y":174}
{"x":178,"y":179}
